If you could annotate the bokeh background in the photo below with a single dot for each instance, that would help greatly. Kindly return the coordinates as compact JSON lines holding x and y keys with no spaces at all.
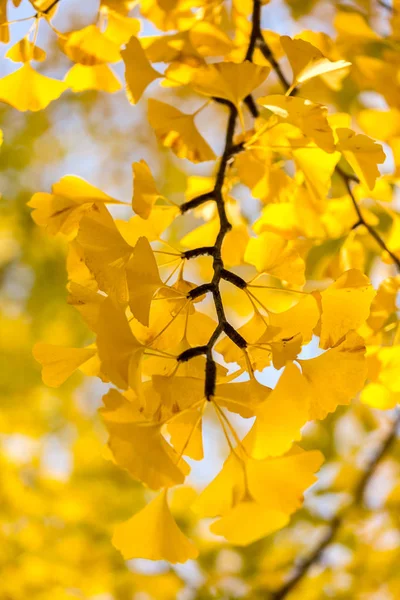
{"x":59,"y":496}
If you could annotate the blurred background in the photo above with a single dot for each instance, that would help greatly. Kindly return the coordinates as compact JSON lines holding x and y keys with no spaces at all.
{"x":59,"y":496}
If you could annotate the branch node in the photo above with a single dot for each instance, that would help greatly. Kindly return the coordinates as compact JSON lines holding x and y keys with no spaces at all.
{"x":204,"y":250}
{"x":233,"y":278}
{"x":198,"y":291}
{"x":235,"y":336}
{"x":190,"y":353}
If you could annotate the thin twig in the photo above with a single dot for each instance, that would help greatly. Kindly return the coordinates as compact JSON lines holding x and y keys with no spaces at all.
{"x":300,"y":571}
{"x":48,"y":9}
{"x":362,"y":221}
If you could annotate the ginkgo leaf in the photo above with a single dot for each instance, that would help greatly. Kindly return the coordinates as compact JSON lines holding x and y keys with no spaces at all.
{"x":177,"y":130}
{"x":119,"y":351}
{"x":281,"y":416}
{"x":138,"y":445}
{"x":153,"y":534}
{"x":120,"y":28}
{"x":89,"y":46}
{"x":362,"y":154}
{"x":336,"y":376}
{"x":25,"y":51}
{"x":63,"y":209}
{"x":300,"y":318}
{"x":226,"y":490}
{"x":158,"y":221}
{"x":138,"y":71}
{"x":145,"y":192}
{"x":86,"y":301}
{"x":242,"y":398}
{"x":317,"y":167}
{"x":389,"y":358}
{"x":143,"y":280}
{"x":270,"y":253}
{"x":209,"y":40}
{"x":378,"y":396}
{"x":345,"y":305}
{"x":58,"y":363}
{"x":26,"y":89}
{"x":285,"y":477}
{"x":310,"y":118}
{"x":185,"y":430}
{"x":105,"y":251}
{"x":307,"y":61}
{"x":247,"y":522}
{"x":230,"y":81}
{"x":81,"y":78}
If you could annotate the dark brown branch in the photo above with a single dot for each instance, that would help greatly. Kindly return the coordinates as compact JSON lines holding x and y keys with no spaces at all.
{"x":301,"y":570}
{"x":230,"y":149}
{"x":361,"y":221}
{"x":202,"y":251}
{"x":195,"y":202}
{"x":233,"y":278}
{"x":267,"y":53}
{"x":191,"y":353}
{"x":48,"y":9}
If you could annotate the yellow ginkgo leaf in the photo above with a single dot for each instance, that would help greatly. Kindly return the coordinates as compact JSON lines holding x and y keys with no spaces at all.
{"x":272,"y":254}
{"x":389,"y":358}
{"x":89,"y":46}
{"x":362,"y":154}
{"x":26,"y":89}
{"x":119,"y":351}
{"x":63,"y":209}
{"x":81,"y":78}
{"x":138,"y":71}
{"x":336,"y":376}
{"x":379,"y":396}
{"x":24,"y":51}
{"x":105,"y":251}
{"x":300,"y":318}
{"x":317,"y":167}
{"x":119,"y":27}
{"x":137,"y":444}
{"x":226,"y":490}
{"x":230,"y":81}
{"x":247,"y":522}
{"x":381,"y":124}
{"x":307,"y":61}
{"x":281,"y":416}
{"x":58,"y":362}
{"x":346,"y":305}
{"x":145,"y":192}
{"x":310,"y":118}
{"x":143,"y":280}
{"x":86,"y":301}
{"x":159,"y":220}
{"x":241,"y":398}
{"x":285,"y":477}
{"x":209,"y":40}
{"x":185,"y":430}
{"x":153,"y":534}
{"x":177,"y":130}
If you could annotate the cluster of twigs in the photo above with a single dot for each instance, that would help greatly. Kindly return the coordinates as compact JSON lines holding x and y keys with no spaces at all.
{"x":301,"y":569}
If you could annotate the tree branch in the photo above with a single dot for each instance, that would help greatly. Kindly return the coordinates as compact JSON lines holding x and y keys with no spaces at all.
{"x":300,"y":571}
{"x":220,"y":273}
{"x":362,"y":221}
